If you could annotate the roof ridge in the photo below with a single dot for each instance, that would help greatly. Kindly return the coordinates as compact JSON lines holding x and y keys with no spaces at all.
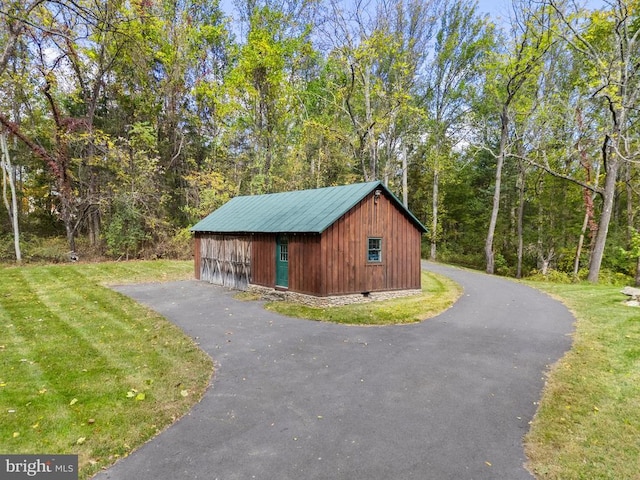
{"x":309,"y":189}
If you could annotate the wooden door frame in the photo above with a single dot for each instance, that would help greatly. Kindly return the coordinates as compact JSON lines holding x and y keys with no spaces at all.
{"x":282,"y":239}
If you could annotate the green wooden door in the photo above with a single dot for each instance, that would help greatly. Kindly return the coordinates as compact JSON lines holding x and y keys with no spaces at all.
{"x":282,"y":261}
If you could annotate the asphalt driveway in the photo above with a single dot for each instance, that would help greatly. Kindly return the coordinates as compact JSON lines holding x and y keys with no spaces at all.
{"x":449,"y":398}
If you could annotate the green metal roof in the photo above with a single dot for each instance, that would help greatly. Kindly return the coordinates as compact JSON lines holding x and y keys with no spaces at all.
{"x":302,"y":211}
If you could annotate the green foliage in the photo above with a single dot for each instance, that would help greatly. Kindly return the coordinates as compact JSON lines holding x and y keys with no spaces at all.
{"x":473,"y":260}
{"x":207,"y":192}
{"x":46,"y":249}
{"x":611,"y":277}
{"x":180,"y":245}
{"x":38,"y":249}
{"x":554,"y":276}
{"x":7,"y":253}
{"x":266,"y":90}
{"x":126,"y":231}
{"x":633,"y":251}
{"x":502,"y":267}
{"x":607,"y":277}
{"x":164,"y":111}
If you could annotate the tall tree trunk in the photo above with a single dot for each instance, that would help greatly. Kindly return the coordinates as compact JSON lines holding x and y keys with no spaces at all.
{"x":12,"y":208}
{"x":371,"y":138}
{"x":434,"y":213}
{"x":587,"y":222}
{"x":488,"y":248}
{"x":589,"y":197}
{"x":611,"y":179}
{"x":405,"y":187}
{"x":583,"y":231}
{"x":630,"y":210}
{"x":71,"y":237}
{"x":520,"y":219}
{"x":93,"y":221}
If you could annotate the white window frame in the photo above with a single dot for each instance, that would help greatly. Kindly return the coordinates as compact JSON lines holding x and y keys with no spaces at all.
{"x":376,"y":251}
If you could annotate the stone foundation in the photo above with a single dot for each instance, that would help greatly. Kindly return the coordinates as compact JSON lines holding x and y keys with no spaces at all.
{"x":271,"y":294}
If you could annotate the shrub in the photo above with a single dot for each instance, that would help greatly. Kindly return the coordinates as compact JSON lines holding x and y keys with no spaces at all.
{"x":125,"y":233}
{"x":501,"y":266}
{"x":606,"y":277}
{"x":7,"y":253}
{"x":45,"y":249}
{"x":610,"y":277}
{"x":470,"y":260}
{"x":177,"y":245}
{"x":552,"y":276}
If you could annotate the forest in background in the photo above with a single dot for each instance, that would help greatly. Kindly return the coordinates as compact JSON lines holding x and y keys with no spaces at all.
{"x":124,"y":122}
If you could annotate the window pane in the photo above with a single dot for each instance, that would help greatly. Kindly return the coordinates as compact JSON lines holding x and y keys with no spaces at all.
{"x":374,"y":252}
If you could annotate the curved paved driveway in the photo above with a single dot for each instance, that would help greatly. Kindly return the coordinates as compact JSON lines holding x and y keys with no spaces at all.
{"x":449,"y":398}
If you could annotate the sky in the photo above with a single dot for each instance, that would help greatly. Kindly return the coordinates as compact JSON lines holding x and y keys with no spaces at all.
{"x":499,"y":9}
{"x":495,"y":8}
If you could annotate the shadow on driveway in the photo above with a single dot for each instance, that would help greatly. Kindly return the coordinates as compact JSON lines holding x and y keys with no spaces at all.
{"x":449,"y":398}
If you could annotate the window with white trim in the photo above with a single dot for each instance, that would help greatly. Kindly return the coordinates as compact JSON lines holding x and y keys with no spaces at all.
{"x":374,"y":250}
{"x":284,"y":249}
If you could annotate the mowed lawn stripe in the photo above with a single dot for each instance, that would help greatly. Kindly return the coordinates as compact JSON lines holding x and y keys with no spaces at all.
{"x":69,"y":332}
{"x":86,"y":370}
{"x":136,"y":272}
{"x":588,"y":423}
{"x":88,"y":313}
{"x":23,"y":382}
{"x":31,"y":402}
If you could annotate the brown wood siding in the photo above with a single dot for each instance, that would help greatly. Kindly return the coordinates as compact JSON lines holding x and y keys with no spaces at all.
{"x":263,"y":269}
{"x":196,"y":255}
{"x":343,"y":250}
{"x":305,"y":265}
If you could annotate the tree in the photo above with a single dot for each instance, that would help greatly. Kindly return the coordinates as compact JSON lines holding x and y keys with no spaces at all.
{"x":8,"y":177}
{"x":608,"y":45}
{"x":134,"y":204}
{"x":375,"y":54}
{"x":264,"y":87}
{"x":15,"y":17}
{"x":531,"y":39}
{"x":55,"y":58}
{"x":463,"y":42}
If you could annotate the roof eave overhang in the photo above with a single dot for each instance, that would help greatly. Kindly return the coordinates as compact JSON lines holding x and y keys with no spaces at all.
{"x":222,"y":232}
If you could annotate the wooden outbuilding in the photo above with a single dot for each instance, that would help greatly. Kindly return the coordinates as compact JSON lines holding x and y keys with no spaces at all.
{"x":333,"y":241}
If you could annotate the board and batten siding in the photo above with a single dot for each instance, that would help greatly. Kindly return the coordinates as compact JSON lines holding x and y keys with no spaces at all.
{"x":304,"y":262}
{"x":224,"y":259}
{"x":344,"y":247}
{"x":197,"y":261}
{"x":263,"y":269}
{"x":305,"y":268}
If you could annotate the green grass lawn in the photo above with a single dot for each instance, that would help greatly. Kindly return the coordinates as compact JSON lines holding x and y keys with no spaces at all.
{"x":85,"y":370}
{"x":438,"y":294}
{"x":588,"y":422}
